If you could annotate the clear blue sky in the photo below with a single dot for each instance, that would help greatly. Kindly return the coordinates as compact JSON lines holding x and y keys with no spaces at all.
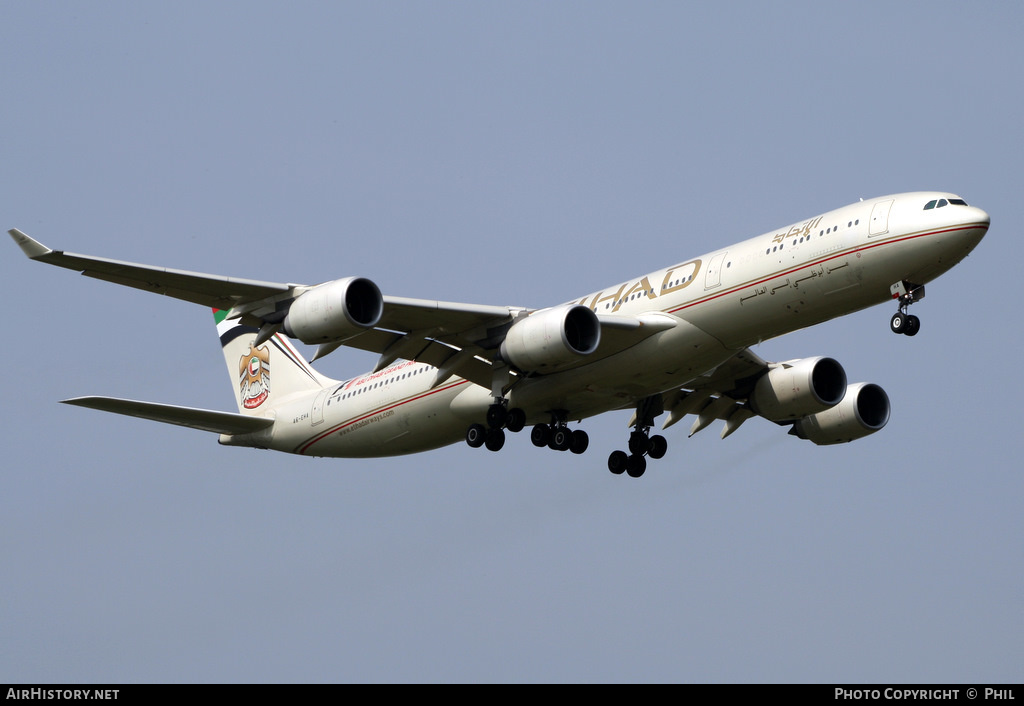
{"x":504,"y":153}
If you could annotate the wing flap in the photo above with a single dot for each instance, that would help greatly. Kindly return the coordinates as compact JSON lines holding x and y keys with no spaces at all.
{"x":191,"y":417}
{"x":719,"y":394}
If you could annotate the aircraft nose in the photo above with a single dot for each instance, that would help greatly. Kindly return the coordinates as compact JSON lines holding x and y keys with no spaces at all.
{"x":981,"y":216}
{"x":977,"y":222}
{"x":982,"y":219}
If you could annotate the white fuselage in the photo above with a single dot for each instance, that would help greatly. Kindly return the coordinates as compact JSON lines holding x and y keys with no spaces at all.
{"x":787,"y":279}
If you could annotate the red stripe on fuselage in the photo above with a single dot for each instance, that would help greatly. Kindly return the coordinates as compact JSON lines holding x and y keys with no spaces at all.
{"x":303,"y":448}
{"x":805,"y":265}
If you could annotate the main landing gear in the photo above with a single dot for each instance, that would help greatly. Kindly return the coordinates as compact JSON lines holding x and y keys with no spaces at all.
{"x":641,"y":444}
{"x":555,"y":435}
{"x":493,"y":436}
{"x":906,"y":294}
{"x":558,"y":436}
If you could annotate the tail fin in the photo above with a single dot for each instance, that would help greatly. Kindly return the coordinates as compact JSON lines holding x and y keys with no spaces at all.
{"x":252,"y":368}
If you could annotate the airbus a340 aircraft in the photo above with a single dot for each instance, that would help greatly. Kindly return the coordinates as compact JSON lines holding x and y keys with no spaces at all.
{"x":674,"y":341}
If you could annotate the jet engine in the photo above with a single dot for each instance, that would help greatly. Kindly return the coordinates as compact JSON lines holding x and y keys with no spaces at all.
{"x":552,"y":337}
{"x":798,"y":388}
{"x":864,"y":410}
{"x":334,"y":311}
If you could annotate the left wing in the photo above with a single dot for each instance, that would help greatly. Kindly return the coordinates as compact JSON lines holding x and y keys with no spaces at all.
{"x":811,"y":394}
{"x":720,"y":394}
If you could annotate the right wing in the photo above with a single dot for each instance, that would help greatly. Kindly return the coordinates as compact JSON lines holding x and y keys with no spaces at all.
{"x":209,"y":290}
{"x":417,"y":329}
{"x":458,"y":339}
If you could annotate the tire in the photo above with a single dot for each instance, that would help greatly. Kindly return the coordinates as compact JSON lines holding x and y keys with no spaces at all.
{"x":561,"y":439}
{"x":476,"y":435}
{"x":540,"y":435}
{"x":496,"y":416}
{"x":658,"y":447}
{"x":495,"y":439}
{"x":898,"y":322}
{"x":617,"y":462}
{"x":516,"y":420}
{"x":636,"y":465}
{"x":638,"y":443}
{"x":912,"y":326}
{"x":580,"y":441}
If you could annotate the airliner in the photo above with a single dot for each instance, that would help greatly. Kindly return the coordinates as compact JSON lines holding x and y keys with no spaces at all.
{"x":673,"y":342}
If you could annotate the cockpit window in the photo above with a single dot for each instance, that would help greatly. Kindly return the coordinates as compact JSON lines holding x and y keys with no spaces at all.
{"x":939,"y":203}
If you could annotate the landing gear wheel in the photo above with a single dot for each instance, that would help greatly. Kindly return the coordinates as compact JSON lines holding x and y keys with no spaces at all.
{"x":912,"y":326}
{"x":617,"y":462}
{"x":906,"y":293}
{"x":495,"y":439}
{"x":475,"y":435}
{"x":540,"y":435}
{"x":580,"y":441}
{"x":638,"y":443}
{"x":496,"y":416}
{"x":641,"y":443}
{"x":515,"y":420}
{"x":636,"y":465}
{"x":561,"y":439}
{"x":659,"y":446}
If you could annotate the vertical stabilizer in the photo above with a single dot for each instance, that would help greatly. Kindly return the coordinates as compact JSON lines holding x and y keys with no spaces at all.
{"x":266,"y":374}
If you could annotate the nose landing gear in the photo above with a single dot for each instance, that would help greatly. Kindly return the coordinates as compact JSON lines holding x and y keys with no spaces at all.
{"x":906,"y":294}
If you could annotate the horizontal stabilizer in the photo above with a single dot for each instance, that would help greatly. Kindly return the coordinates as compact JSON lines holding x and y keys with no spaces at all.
{"x":203,"y":419}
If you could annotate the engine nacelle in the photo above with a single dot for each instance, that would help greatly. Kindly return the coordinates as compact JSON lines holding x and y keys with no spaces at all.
{"x":334,"y":311}
{"x":549,"y":338}
{"x":864,"y":410}
{"x":798,"y":388}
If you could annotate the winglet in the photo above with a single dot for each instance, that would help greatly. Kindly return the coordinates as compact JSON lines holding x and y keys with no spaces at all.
{"x":33,"y":248}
